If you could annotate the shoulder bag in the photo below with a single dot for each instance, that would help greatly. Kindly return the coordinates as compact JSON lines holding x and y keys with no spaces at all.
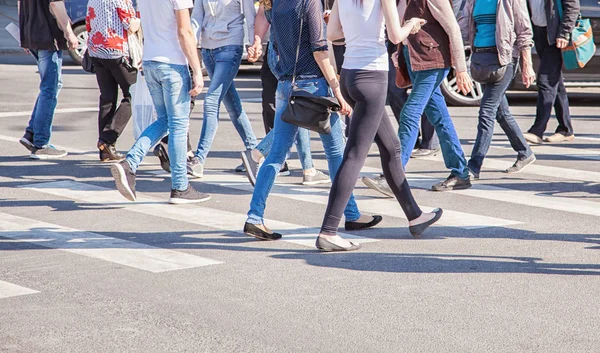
{"x":305,"y":109}
{"x":485,"y":67}
{"x":581,"y":47}
{"x":402,"y":77}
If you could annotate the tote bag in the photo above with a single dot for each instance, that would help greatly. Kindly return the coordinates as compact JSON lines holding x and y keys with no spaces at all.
{"x":581,"y":47}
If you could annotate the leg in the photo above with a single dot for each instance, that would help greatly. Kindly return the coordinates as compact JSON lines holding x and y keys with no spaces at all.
{"x":548,"y":76}
{"x":303,"y":148}
{"x":108,"y":94}
{"x":515,"y":136}
{"x":429,"y":140}
{"x":269,"y":87}
{"x":49,"y":66}
{"x":125,"y":78}
{"x":238,"y":116}
{"x":561,"y":108}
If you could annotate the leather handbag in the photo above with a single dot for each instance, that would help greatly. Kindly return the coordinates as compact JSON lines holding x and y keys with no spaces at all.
{"x":305,"y":109}
{"x":581,"y":47}
{"x":486,"y":68}
{"x":86,"y":63}
{"x":402,"y":77}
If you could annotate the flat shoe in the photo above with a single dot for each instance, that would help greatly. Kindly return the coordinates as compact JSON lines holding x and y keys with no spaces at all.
{"x":254,"y":231}
{"x":327,"y":246}
{"x":359,"y":225}
{"x":418,"y":229}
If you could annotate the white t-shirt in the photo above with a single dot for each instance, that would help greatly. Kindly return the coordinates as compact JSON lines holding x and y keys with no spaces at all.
{"x":364,"y":31}
{"x":538,"y":13}
{"x":159,"y":24}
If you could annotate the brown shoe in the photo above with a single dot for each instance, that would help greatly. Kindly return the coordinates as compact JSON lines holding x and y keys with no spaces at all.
{"x":532,"y":138}
{"x":559,"y":137}
{"x":108,"y":153}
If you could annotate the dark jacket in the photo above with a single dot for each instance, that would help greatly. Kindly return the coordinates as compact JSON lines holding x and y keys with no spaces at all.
{"x":556,"y":28}
{"x":39,"y":29}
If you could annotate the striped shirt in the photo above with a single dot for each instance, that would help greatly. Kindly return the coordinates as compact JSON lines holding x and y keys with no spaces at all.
{"x":484,"y":14}
{"x":107,"y":23}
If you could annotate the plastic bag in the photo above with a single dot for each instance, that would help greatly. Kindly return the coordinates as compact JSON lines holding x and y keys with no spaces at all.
{"x":143,"y":110}
{"x":135,"y":50}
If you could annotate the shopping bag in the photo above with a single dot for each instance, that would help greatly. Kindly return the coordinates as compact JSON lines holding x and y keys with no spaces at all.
{"x":143,"y":110}
{"x":135,"y":49}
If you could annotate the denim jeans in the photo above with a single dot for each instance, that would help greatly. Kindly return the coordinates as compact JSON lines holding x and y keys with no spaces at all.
{"x":169,"y":86}
{"x":283,"y":137}
{"x":494,"y":107}
{"x":302,"y":145}
{"x":40,"y":125}
{"x":223,"y":65}
{"x":426,"y":96}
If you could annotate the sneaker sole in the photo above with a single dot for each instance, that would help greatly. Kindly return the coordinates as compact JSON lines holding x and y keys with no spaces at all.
{"x":121,"y":181}
{"x":164,"y":163}
{"x":461,"y":187}
{"x":375,"y":187}
{"x":27,"y":144}
{"x":316,"y":182}
{"x":251,"y":178}
{"x":195,"y":175}
{"x":47,"y":157}
{"x":179,"y":201}
{"x":520,"y":170}
{"x":566,"y":139}
{"x":286,"y":173}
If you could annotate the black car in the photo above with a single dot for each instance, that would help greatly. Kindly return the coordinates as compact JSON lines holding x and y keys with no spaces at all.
{"x":589,"y":76}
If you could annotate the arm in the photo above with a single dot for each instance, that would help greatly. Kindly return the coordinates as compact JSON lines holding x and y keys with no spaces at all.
{"x":198,"y":17}
{"x":322,"y":59}
{"x":464,"y":22}
{"x":126,"y":15}
{"x":57,"y":8}
{"x":250,"y":15}
{"x":524,"y":40}
{"x":187,"y":41}
{"x":570,"y":15}
{"x":334,"y":27}
{"x":261,"y":26}
{"x":442,"y":11}
{"x":397,"y":34}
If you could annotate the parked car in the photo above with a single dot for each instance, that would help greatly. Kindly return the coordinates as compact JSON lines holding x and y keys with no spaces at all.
{"x":589,"y":76}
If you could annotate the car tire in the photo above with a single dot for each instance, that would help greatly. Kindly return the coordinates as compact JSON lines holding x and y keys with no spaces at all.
{"x":82,"y":36}
{"x":453,"y":97}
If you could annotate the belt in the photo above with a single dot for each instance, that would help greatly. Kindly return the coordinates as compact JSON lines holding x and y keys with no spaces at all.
{"x":485,"y":50}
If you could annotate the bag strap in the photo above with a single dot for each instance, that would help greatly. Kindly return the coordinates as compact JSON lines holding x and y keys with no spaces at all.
{"x":299,"y":42}
{"x":559,"y":7}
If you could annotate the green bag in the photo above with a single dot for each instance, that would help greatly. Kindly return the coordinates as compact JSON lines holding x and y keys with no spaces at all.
{"x":581,"y":47}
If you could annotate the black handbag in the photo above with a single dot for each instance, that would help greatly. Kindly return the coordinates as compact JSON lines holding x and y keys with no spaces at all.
{"x":486,"y":68}
{"x":305,"y":109}
{"x":86,"y":63}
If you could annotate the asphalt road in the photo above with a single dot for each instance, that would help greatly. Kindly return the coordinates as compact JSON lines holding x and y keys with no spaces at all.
{"x":512,"y":267}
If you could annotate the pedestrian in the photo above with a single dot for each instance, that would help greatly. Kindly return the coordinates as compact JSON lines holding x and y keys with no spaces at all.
{"x":364,"y":75}
{"x":251,"y":159}
{"x":46,"y":31}
{"x":551,"y":33}
{"x":169,"y":46}
{"x":221,"y":37}
{"x":307,"y":58}
{"x":429,"y":55}
{"x":493,"y":28}
{"x":109,"y":23}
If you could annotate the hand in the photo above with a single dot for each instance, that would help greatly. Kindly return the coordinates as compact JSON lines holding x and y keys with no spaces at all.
{"x":464,"y":82}
{"x":561,"y":43}
{"x":395,"y":59}
{"x":345,"y":108}
{"x":254,"y":51}
{"x":197,"y":83}
{"x":326,"y":16}
{"x":72,"y":41}
{"x":528,"y":75}
{"x":417,"y":23}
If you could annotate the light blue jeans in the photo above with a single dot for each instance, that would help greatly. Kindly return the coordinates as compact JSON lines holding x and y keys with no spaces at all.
{"x":169,"y":86}
{"x":302,"y":146}
{"x":425,"y":96}
{"x":284,"y":135}
{"x":223,"y":65}
{"x":40,"y":125}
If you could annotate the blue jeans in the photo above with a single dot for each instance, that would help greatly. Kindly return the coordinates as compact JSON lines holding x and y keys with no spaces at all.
{"x":426,"y":96}
{"x":302,"y":145}
{"x":169,"y":86}
{"x":494,"y":106}
{"x":283,"y":137}
{"x":40,"y":125}
{"x":223,"y":65}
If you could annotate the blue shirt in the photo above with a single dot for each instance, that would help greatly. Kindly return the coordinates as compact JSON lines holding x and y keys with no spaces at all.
{"x":484,"y":14}
{"x":285,"y":30}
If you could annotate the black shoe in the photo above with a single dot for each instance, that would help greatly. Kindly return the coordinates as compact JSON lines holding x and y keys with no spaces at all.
{"x":254,"y":231}
{"x":163,"y":156}
{"x":190,"y":195}
{"x":520,"y":164}
{"x":27,"y":141}
{"x":325,"y":245}
{"x":452,"y":183}
{"x":124,"y":179}
{"x":418,"y":229}
{"x":108,"y":152}
{"x":359,"y":225}
{"x":48,"y":152}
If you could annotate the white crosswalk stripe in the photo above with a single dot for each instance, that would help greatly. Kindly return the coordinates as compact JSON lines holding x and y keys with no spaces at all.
{"x":8,"y":290}
{"x":119,"y":251}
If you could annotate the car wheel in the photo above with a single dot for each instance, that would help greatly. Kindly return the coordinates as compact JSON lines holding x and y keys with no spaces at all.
{"x":449,"y":88}
{"x":82,"y":36}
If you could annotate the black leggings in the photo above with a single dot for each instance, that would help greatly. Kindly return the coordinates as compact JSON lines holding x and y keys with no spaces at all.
{"x":365,"y":92}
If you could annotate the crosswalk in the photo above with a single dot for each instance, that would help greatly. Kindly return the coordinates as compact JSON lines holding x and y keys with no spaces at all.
{"x":157,"y":260}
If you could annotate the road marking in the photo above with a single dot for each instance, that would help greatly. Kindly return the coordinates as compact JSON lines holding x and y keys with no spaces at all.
{"x":68,"y":149}
{"x":199,"y":215}
{"x":8,"y":290}
{"x":384,"y":207}
{"x":57,"y":111}
{"x":119,"y":251}
{"x":556,"y":150}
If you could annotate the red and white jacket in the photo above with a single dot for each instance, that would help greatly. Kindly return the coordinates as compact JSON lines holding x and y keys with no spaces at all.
{"x":107,"y":23}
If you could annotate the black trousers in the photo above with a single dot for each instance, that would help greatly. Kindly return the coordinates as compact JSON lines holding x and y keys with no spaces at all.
{"x":112,"y":75}
{"x":551,"y":88}
{"x":269,"y":89}
{"x":370,"y":122}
